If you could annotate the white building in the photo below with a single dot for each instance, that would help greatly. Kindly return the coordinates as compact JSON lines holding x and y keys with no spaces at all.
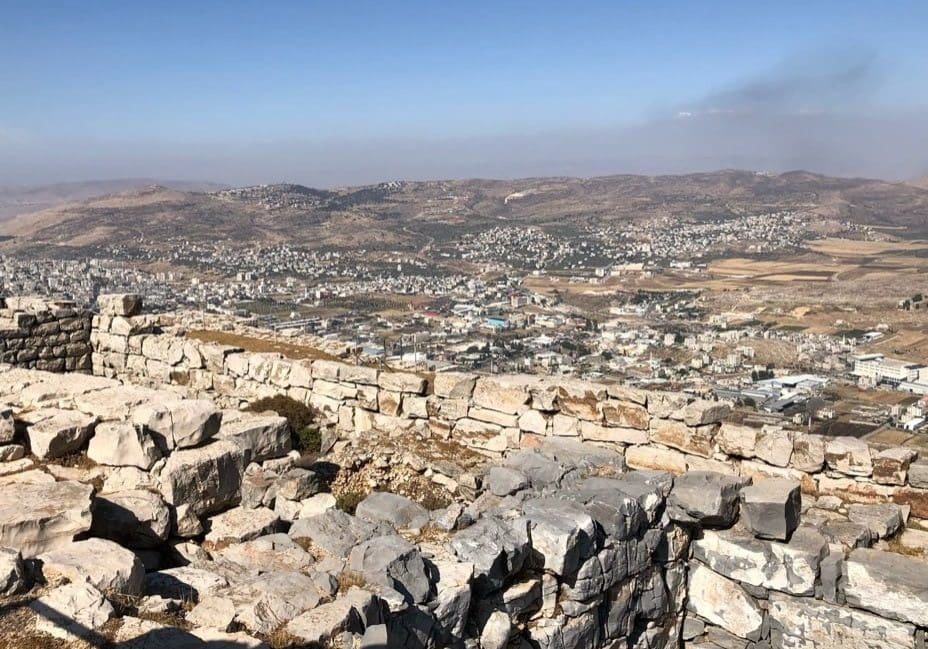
{"x":876,"y":368}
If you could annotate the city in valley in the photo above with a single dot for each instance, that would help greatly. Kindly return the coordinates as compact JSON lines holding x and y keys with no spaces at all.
{"x":801,"y":311}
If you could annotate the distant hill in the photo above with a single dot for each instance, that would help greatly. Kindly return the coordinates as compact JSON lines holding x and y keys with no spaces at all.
{"x":413,"y":214}
{"x":920,"y":182}
{"x":24,"y":199}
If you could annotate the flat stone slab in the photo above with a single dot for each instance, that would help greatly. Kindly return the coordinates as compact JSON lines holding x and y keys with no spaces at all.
{"x":262,"y":436}
{"x":723,"y":602}
{"x":888,"y":584}
{"x":105,"y":565}
{"x":53,"y":432}
{"x":882,"y":519}
{"x":39,"y":517}
{"x":787,"y":567}
{"x":336,"y":532}
{"x":399,"y":511}
{"x":72,"y":612}
{"x":806,"y":622}
{"x":241,"y":524}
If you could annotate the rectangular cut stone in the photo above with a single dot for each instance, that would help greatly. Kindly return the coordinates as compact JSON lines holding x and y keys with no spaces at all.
{"x":624,"y":392}
{"x":655,"y":458}
{"x":737,"y":440}
{"x":625,"y":414}
{"x":454,"y":385}
{"x":916,"y":499}
{"x":892,"y":465}
{"x":848,"y":455}
{"x":759,"y":470}
{"x":701,"y":412}
{"x":698,"y":440}
{"x":597,"y":433}
{"x":581,"y":399}
{"x":509,"y":394}
{"x":493,"y":417}
{"x":357,"y":374}
{"x":402,"y":382}
{"x":805,"y":622}
{"x":850,"y":490}
{"x":918,"y":473}
{"x":564,"y":426}
{"x":808,"y":452}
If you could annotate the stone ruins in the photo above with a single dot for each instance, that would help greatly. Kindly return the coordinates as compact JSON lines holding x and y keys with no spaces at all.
{"x":143,"y":506}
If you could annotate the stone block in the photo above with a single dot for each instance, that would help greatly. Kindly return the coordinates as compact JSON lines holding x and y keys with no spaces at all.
{"x":771,"y":508}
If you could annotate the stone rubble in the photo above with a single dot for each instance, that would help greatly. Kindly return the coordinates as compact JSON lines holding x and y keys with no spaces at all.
{"x":572,"y":514}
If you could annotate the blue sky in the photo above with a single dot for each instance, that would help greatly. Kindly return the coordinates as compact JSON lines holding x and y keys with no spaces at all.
{"x":196,"y":84}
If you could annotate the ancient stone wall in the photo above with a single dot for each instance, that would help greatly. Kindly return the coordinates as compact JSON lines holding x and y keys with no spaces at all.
{"x":669,"y":431}
{"x":45,"y":334}
{"x":754,"y":538}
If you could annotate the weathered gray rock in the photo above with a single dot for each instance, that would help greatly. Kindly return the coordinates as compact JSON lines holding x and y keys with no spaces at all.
{"x":318,"y":504}
{"x":705,"y":498}
{"x":269,"y":553}
{"x":323,"y":622}
{"x":72,"y":612}
{"x":12,"y":575}
{"x":497,"y":549}
{"x":503,"y":481}
{"x":918,"y":473}
{"x":393,"y":562}
{"x":207,"y":479}
{"x":12,"y":452}
{"x":240,"y":524}
{"x":7,"y":426}
{"x":846,"y":533}
{"x":723,"y":602}
{"x":262,"y":436}
{"x":541,"y":471}
{"x":54,"y":433}
{"x":259,"y":487}
{"x":298,"y":484}
{"x":882,"y":519}
{"x":888,"y":584}
{"x":187,"y":583}
{"x":37,"y":518}
{"x":399,"y":511}
{"x":495,"y":633}
{"x":122,"y":444}
{"x":213,"y":612}
{"x":135,"y":518}
{"x":119,"y":304}
{"x":770,"y":508}
{"x":266,"y":602}
{"x":335,"y":531}
{"x":105,"y":565}
{"x":805,"y":622}
{"x":787,"y":567}
{"x":453,"y":597}
{"x":562,"y":534}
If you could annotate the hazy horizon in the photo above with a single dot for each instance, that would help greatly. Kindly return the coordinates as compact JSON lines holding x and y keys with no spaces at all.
{"x":332,"y":96}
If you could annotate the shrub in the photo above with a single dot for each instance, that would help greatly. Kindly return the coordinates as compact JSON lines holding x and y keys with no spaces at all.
{"x":348,"y":501}
{"x":306,"y":436}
